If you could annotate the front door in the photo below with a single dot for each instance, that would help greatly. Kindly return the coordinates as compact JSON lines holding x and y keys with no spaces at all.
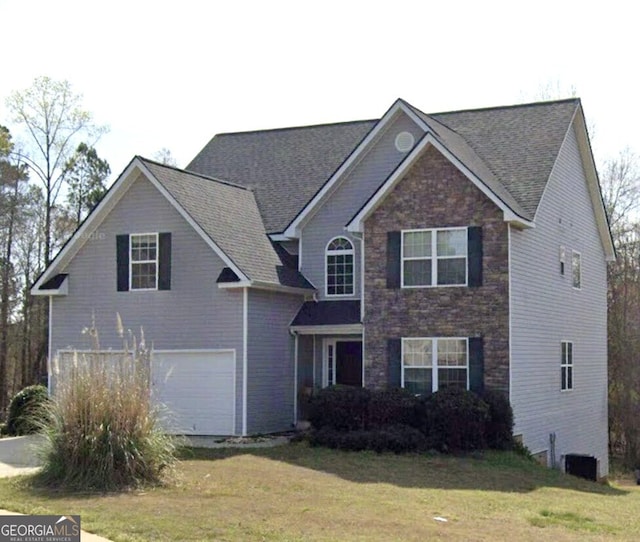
{"x":344,"y":362}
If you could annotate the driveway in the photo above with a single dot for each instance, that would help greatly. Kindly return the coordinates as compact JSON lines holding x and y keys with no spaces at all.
{"x":18,"y":455}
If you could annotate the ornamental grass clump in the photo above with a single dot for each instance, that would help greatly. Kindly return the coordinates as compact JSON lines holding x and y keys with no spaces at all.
{"x":103,"y":432}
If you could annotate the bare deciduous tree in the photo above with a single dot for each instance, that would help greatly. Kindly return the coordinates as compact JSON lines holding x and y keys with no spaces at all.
{"x":53,"y":118}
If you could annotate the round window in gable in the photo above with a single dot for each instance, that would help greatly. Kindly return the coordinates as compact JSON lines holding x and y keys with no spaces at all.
{"x":404,"y":141}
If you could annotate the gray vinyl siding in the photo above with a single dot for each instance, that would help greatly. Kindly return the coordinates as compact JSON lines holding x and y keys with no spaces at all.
{"x":546,"y":309}
{"x":270,"y":361}
{"x":355,"y":189}
{"x":194,"y":314}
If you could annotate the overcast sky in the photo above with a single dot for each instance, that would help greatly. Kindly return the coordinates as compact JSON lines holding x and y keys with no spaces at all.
{"x":173,"y":74}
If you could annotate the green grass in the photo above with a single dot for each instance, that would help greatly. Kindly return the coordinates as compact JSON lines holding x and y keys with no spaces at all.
{"x":296,"y":493}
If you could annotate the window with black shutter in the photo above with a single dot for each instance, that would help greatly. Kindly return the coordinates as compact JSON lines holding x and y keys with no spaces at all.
{"x":143,"y":261}
{"x":434,"y":257}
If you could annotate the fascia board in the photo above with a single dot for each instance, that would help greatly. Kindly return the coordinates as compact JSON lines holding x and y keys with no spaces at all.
{"x":271,"y":287}
{"x":593,"y":185}
{"x":345,"y":329}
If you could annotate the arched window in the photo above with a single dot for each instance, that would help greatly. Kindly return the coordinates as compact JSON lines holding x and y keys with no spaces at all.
{"x":339,"y":267}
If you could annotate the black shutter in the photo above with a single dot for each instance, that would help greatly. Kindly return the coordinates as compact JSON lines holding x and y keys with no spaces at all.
{"x":474,"y":257}
{"x":393,"y":259}
{"x":164,"y":257}
{"x":394,"y":353}
{"x":476,"y":364}
{"x":122,"y":261}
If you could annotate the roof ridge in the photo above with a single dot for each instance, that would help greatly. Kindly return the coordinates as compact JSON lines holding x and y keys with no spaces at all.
{"x":194,"y":174}
{"x":512,"y":106}
{"x":301,"y":127}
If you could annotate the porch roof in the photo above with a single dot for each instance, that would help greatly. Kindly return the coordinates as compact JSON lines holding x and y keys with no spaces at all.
{"x":328,"y":313}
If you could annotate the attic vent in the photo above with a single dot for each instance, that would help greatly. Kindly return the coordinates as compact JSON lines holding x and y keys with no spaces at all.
{"x":404,"y":141}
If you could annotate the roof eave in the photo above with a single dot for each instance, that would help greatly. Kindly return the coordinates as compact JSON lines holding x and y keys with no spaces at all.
{"x":335,"y":329}
{"x":268,"y":286}
{"x":61,"y":290}
{"x":593,"y":184}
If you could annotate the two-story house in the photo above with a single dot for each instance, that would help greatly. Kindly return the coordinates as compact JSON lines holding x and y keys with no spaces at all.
{"x":455,"y":249}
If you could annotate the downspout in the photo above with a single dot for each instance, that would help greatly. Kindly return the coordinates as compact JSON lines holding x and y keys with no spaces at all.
{"x":245,"y":361}
{"x":49,"y":353}
{"x":295,"y":378}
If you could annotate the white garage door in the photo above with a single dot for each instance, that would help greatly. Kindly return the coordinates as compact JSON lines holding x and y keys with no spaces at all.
{"x":198,"y":390}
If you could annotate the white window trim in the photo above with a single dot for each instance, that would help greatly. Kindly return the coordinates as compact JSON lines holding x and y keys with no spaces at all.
{"x":328,"y":253}
{"x":434,"y":359}
{"x":329,"y":358}
{"x":131,"y":262}
{"x":575,"y":253}
{"x":434,"y":259}
{"x":566,"y":364}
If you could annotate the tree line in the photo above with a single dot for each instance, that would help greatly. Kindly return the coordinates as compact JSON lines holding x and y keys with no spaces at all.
{"x":52,"y":177}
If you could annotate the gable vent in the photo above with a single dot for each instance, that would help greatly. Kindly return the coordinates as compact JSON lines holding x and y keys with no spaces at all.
{"x":404,"y":141}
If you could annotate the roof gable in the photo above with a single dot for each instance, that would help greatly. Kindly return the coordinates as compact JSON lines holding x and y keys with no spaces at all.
{"x":429,"y":139}
{"x":224,"y":215}
{"x":359,"y":153}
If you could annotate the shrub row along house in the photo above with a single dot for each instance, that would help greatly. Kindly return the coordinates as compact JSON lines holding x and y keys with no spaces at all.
{"x":455,"y":249}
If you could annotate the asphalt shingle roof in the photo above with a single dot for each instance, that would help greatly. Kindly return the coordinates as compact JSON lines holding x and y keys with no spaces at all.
{"x":229,"y":215}
{"x":519,"y":144}
{"x":511,"y":149}
{"x":284,"y":168}
{"x":328,"y":313}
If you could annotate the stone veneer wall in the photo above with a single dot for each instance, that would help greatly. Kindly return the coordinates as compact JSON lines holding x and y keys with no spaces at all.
{"x":435,"y":194}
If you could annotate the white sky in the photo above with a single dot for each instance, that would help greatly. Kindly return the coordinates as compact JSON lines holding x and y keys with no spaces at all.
{"x":173,"y":74}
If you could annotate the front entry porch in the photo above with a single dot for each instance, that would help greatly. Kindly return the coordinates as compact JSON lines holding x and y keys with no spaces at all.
{"x":329,"y":347}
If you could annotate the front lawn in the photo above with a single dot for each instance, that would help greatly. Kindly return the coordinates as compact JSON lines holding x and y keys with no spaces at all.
{"x":296,"y":493}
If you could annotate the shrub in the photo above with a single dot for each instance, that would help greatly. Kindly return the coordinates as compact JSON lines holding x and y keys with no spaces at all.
{"x":499,"y":427}
{"x":104,"y":434}
{"x":347,"y":408}
{"x":393,"y":438}
{"x":339,"y":407}
{"x":455,"y":420}
{"x":391,"y":408}
{"x":26,"y":410}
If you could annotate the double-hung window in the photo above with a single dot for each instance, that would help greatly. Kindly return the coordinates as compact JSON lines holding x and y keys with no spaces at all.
{"x":566,"y":366}
{"x":143,"y":261}
{"x":430,"y":364}
{"x":434,"y":257}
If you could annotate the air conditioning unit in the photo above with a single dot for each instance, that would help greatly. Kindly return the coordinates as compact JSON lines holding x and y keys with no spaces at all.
{"x":584,"y":466}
